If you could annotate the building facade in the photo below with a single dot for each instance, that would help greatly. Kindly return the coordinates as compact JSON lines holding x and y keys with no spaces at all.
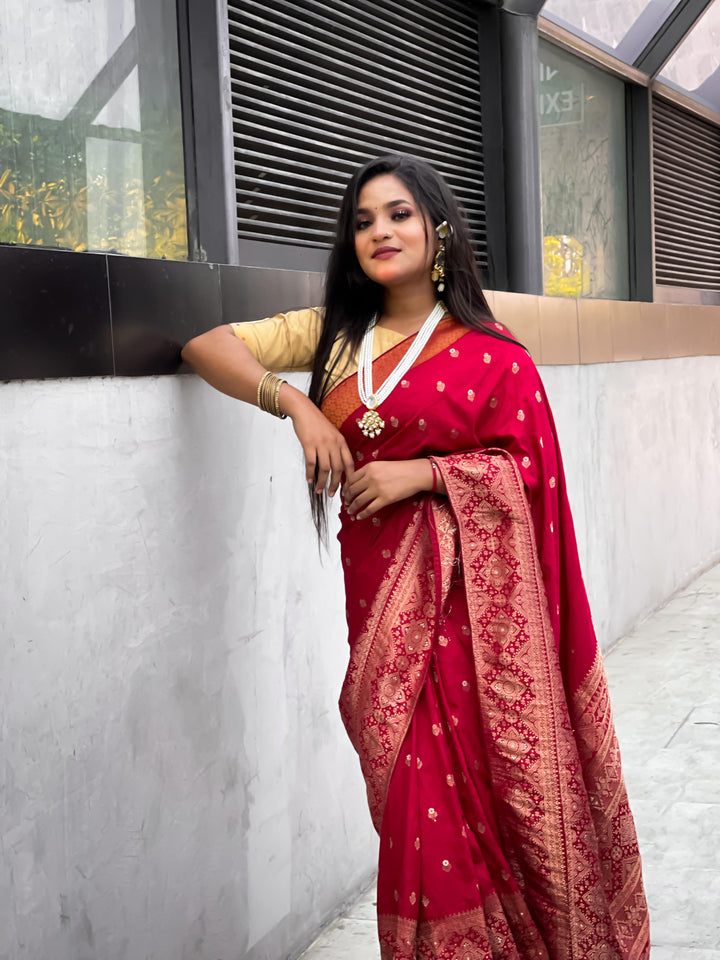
{"x":177,"y":782}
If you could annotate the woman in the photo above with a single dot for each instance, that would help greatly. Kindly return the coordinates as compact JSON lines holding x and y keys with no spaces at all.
{"x":475,"y":694}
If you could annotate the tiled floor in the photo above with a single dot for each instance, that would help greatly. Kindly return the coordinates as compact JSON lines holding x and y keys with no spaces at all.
{"x":665,"y":685}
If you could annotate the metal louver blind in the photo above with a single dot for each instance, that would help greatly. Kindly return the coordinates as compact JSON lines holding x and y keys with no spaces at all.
{"x":686,"y":170}
{"x":318,"y":89}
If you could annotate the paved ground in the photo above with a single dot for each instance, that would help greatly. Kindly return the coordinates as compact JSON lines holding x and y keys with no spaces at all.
{"x":665,"y":685}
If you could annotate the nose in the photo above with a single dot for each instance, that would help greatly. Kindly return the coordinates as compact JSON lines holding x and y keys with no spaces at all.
{"x":382,"y":228}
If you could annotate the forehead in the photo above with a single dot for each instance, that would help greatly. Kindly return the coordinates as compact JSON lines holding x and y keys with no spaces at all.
{"x":383,"y":190}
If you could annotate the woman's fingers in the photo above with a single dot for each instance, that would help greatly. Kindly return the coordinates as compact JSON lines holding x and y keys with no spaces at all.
{"x":326,"y":452}
{"x":327,"y":455}
{"x":378,"y":484}
{"x":336,"y":462}
{"x":371,"y":508}
{"x":330,"y":463}
{"x":310,"y":463}
{"x":323,"y":472}
{"x":360,"y":499}
{"x":354,"y":485}
{"x":347,"y":459}
{"x":314,"y":460}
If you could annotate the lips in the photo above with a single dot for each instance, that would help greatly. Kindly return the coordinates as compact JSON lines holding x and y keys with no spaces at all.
{"x":384,"y":253}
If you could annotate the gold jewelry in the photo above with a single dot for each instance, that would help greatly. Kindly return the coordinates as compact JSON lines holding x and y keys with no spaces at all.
{"x":371,"y":423}
{"x":443,"y":230}
{"x":438,"y":270}
{"x":268,"y":394}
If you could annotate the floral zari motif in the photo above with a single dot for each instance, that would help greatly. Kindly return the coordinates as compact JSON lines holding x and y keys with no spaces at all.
{"x":390,"y":660}
{"x":555,"y":763}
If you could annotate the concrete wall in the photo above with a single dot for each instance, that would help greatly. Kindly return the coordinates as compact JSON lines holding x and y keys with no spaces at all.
{"x":641,"y":446}
{"x":176,"y":783}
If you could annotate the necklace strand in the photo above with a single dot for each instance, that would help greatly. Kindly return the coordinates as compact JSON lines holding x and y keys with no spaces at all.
{"x":371,"y":423}
{"x":365,"y":388}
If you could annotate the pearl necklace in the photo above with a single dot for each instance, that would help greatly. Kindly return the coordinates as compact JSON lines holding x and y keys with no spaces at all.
{"x":371,"y":423}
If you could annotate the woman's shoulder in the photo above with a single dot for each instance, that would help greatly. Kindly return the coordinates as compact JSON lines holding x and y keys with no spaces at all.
{"x":498,"y":341}
{"x":503,"y":364}
{"x":285,"y":341}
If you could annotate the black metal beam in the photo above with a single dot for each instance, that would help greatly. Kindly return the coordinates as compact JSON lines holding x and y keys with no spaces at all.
{"x":490,"y":65}
{"x":519,"y":46}
{"x":188,"y":131}
{"x":640,"y":213}
{"x":207,"y":123}
{"x":671,"y":34}
{"x":528,"y":8}
{"x":104,"y":84}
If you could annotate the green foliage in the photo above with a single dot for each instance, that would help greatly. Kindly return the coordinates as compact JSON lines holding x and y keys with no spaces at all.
{"x":46,"y":199}
{"x":563,"y":261}
{"x":55,"y":214}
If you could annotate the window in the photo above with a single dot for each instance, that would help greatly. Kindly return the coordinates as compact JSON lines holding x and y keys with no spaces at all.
{"x":686,"y":162}
{"x":90,"y":127}
{"x":349,"y":81}
{"x":584,"y":178}
{"x":622,"y":27}
{"x":694,"y":68}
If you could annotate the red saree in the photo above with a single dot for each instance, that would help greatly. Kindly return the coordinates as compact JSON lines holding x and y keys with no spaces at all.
{"x":475,"y":694}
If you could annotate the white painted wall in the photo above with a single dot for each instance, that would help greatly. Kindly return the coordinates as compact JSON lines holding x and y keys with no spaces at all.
{"x":176,"y":783}
{"x":641,"y":446}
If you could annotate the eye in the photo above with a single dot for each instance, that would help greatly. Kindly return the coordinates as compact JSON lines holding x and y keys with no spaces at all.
{"x":362,"y":224}
{"x":401,"y":214}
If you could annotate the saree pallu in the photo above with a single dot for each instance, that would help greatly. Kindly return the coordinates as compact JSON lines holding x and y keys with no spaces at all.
{"x":475,"y":694}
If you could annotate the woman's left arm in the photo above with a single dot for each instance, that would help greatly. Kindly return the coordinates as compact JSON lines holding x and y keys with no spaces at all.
{"x":383,"y":482}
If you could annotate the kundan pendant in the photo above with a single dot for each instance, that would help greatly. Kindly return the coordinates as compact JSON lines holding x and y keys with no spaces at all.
{"x":371,"y":423}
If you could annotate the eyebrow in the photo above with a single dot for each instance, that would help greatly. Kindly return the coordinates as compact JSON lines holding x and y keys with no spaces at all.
{"x":392,"y":203}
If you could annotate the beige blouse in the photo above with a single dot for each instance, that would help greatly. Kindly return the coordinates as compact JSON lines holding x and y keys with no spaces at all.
{"x":288,"y":341}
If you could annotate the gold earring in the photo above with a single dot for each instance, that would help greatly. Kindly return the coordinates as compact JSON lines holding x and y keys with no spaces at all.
{"x":443,"y":230}
{"x":438,"y":270}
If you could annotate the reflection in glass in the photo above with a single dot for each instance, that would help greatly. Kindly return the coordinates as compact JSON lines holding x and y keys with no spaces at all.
{"x":623,"y":27}
{"x":90,"y":127}
{"x":694,"y":68}
{"x":584,"y":178}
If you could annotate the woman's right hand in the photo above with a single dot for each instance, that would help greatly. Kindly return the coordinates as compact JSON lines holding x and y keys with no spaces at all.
{"x":323,"y":444}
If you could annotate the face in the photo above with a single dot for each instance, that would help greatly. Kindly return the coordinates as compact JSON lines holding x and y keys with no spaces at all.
{"x":391,"y":242}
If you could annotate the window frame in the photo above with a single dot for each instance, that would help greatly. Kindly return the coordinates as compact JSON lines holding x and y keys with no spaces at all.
{"x":642,"y":83}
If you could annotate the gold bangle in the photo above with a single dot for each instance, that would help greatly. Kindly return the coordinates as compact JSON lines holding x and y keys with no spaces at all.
{"x":268,"y":394}
{"x":263,"y":392}
{"x":276,"y":400}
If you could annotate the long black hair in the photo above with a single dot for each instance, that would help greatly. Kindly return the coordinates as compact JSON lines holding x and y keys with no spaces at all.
{"x":352,"y":299}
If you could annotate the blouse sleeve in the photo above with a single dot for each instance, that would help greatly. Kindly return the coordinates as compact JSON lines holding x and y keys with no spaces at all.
{"x":285,"y":342}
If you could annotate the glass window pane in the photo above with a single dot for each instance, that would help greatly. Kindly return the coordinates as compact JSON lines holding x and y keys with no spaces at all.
{"x":694,"y":68}
{"x":91,"y":151}
{"x":584,"y":178}
{"x":622,"y":27}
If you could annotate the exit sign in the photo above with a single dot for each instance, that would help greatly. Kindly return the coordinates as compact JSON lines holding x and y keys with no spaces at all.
{"x":560,"y":101}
